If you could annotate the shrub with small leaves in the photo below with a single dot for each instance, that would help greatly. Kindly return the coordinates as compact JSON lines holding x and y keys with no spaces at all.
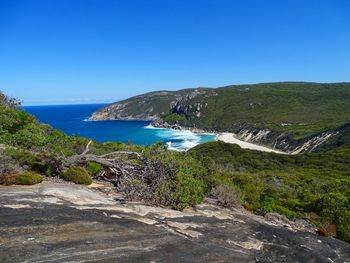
{"x":28,"y":178}
{"x":94,"y":168}
{"x":267,"y":204}
{"x":227,"y":196}
{"x":77,"y":174}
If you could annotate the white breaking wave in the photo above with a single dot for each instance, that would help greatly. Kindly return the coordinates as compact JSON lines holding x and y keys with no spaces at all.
{"x":149,"y":126}
{"x":179,"y":140}
{"x":170,"y":146}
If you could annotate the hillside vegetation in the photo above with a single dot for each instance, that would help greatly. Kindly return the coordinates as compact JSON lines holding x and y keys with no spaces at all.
{"x":299,"y":108}
{"x":312,"y":186}
{"x":290,"y":113}
{"x":152,"y":174}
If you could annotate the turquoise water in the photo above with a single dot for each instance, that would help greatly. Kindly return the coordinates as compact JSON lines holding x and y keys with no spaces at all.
{"x":72,"y":120}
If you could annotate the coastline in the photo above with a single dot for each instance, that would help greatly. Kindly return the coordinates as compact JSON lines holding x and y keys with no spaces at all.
{"x":227,"y":137}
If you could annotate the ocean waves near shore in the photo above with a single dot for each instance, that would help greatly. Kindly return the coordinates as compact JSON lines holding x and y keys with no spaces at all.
{"x":72,"y":119}
{"x":181,"y":140}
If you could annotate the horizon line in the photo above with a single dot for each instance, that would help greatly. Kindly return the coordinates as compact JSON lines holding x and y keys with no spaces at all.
{"x":62,"y":104}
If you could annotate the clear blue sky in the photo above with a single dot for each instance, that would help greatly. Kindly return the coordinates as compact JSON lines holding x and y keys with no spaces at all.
{"x":72,"y":51}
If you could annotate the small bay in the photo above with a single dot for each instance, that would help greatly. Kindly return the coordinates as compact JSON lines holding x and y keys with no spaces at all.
{"x":72,"y":119}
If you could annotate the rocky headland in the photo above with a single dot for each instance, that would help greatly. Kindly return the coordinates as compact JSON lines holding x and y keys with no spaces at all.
{"x":291,"y":117}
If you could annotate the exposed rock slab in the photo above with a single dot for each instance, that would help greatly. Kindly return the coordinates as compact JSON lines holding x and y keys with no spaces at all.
{"x":54,"y":222}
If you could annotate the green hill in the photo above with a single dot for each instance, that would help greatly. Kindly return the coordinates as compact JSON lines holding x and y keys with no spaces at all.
{"x":288,"y":114}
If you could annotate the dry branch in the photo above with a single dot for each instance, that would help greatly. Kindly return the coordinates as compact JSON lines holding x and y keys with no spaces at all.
{"x":121,"y":152}
{"x":87,"y":148}
{"x":137,"y":180}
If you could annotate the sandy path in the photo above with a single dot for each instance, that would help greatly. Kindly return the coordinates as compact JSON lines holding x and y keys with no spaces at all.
{"x":230,"y":138}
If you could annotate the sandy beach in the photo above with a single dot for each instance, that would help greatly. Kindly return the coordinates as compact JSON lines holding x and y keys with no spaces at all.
{"x":230,"y":138}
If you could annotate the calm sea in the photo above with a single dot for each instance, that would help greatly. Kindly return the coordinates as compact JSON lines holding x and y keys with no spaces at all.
{"x":72,"y":119}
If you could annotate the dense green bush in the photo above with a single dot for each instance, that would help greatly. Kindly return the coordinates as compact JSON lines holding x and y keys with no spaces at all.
{"x":173,"y":118}
{"x":28,"y":178}
{"x":268,"y":204}
{"x":22,"y":130}
{"x":93,"y":168}
{"x":19,"y":128}
{"x":43,"y":163}
{"x":189,"y":191}
{"x":77,"y":174}
{"x":291,"y":185}
{"x":252,"y":189}
{"x":190,"y":188}
{"x":177,"y":175}
{"x":335,"y":207}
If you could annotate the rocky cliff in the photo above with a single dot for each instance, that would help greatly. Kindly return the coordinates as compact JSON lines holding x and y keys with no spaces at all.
{"x":150,"y":106}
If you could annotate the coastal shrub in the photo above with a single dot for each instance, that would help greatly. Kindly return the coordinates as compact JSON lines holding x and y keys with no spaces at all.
{"x":77,"y":174}
{"x":93,"y":168}
{"x":31,"y":136}
{"x":7,"y":164}
{"x":22,"y":130}
{"x":290,"y":185}
{"x":22,"y":156}
{"x":48,"y":164}
{"x":189,"y":191}
{"x":19,"y":128}
{"x":251,"y":188}
{"x":8,"y":179}
{"x":285,"y":211}
{"x":173,"y":118}
{"x":227,"y":196}
{"x":171,"y":179}
{"x":332,"y":204}
{"x":267,"y":204}
{"x":43,"y":163}
{"x":343,"y":226}
{"x":189,"y":185}
{"x":334,"y":207}
{"x":28,"y":178}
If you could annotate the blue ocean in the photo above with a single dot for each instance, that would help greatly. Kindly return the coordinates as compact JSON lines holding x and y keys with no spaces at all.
{"x":72,"y":119}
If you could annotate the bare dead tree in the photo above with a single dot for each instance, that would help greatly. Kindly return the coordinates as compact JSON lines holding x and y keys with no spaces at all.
{"x":137,"y":180}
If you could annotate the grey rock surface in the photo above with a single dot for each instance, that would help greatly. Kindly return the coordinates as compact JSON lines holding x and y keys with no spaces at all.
{"x":54,"y":222}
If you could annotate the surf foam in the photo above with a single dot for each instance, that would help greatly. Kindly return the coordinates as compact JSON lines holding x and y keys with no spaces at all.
{"x":181,"y":140}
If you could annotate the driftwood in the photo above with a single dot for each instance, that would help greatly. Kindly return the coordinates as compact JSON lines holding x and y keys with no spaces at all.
{"x":101,"y":159}
{"x":122,"y":152}
{"x":79,"y":159}
{"x":115,"y":169}
{"x":87,"y":149}
{"x":137,"y":180}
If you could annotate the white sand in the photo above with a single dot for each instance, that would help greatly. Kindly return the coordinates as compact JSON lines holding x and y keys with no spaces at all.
{"x":230,"y":138}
